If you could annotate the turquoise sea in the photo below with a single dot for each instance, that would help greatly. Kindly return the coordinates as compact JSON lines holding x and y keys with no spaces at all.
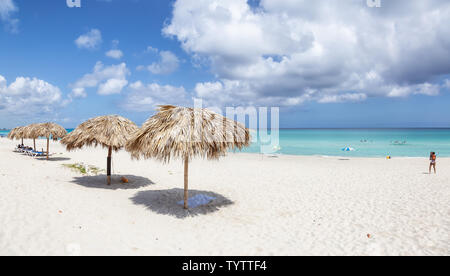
{"x":365,"y":142}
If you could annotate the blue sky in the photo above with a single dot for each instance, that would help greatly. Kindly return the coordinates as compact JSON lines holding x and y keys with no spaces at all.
{"x":321,"y":66}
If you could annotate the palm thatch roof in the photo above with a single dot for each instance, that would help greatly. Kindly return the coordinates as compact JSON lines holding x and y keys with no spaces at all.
{"x":28,"y":131}
{"x":47,"y":130}
{"x":107,"y":131}
{"x":184,"y":133}
{"x":16,"y":133}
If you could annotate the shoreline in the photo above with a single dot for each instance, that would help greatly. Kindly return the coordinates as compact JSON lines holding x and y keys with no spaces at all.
{"x":339,"y":156}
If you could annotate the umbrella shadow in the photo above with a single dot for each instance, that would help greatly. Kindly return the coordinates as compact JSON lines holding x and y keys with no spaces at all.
{"x":99,"y":182}
{"x":164,"y":202}
{"x":54,"y":159}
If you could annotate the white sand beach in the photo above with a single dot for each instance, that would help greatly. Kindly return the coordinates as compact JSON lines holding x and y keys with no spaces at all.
{"x":290,"y":205}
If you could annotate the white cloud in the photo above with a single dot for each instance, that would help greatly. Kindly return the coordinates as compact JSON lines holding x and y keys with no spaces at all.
{"x":109,"y":80}
{"x":79,"y":92}
{"x":7,"y":9}
{"x":90,"y":40}
{"x":141,"y":68}
{"x":420,"y":89}
{"x":290,"y":51}
{"x":357,"y":97}
{"x":447,"y":83}
{"x":167,"y":64}
{"x":244,"y":93}
{"x":151,"y":49}
{"x":28,"y":96}
{"x":116,"y":54}
{"x":112,"y":86}
{"x":144,"y":97}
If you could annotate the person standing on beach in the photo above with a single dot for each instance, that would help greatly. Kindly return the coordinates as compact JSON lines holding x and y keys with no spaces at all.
{"x":433,"y":161}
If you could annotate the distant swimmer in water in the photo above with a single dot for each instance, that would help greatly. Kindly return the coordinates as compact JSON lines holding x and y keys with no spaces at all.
{"x":399,"y":143}
{"x":433,"y":161}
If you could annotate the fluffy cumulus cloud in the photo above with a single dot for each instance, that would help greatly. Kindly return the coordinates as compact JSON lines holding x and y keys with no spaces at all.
{"x":90,"y":40}
{"x":107,"y":79}
{"x":115,"y":52}
{"x":7,"y":10}
{"x":145,"y":97}
{"x":28,"y":97}
{"x":167,"y":64}
{"x":286,"y":52}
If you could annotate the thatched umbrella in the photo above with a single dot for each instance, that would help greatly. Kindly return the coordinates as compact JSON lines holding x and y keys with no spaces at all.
{"x":16,"y":133}
{"x":185,"y":133}
{"x":28,"y":133}
{"x":47,"y":130}
{"x":111,"y":132}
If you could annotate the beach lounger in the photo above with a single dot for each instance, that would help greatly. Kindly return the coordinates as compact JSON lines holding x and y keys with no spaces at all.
{"x":40,"y":154}
{"x":28,"y":152}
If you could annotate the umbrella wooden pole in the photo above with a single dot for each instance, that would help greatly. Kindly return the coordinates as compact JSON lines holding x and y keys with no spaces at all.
{"x":108,"y":166}
{"x":34,"y":144}
{"x":48,"y":146}
{"x":186,"y":174}
{"x":22,"y":141}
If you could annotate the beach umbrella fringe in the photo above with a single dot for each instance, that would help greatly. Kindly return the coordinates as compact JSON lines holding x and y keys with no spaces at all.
{"x":110,"y":132}
{"x":184,"y":133}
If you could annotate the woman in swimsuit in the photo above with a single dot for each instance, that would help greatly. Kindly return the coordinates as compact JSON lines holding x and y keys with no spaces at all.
{"x":433,"y":161}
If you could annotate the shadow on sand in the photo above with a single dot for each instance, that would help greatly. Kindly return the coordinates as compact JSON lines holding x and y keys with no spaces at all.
{"x":53,"y":159}
{"x":165,"y":202}
{"x":99,"y":182}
